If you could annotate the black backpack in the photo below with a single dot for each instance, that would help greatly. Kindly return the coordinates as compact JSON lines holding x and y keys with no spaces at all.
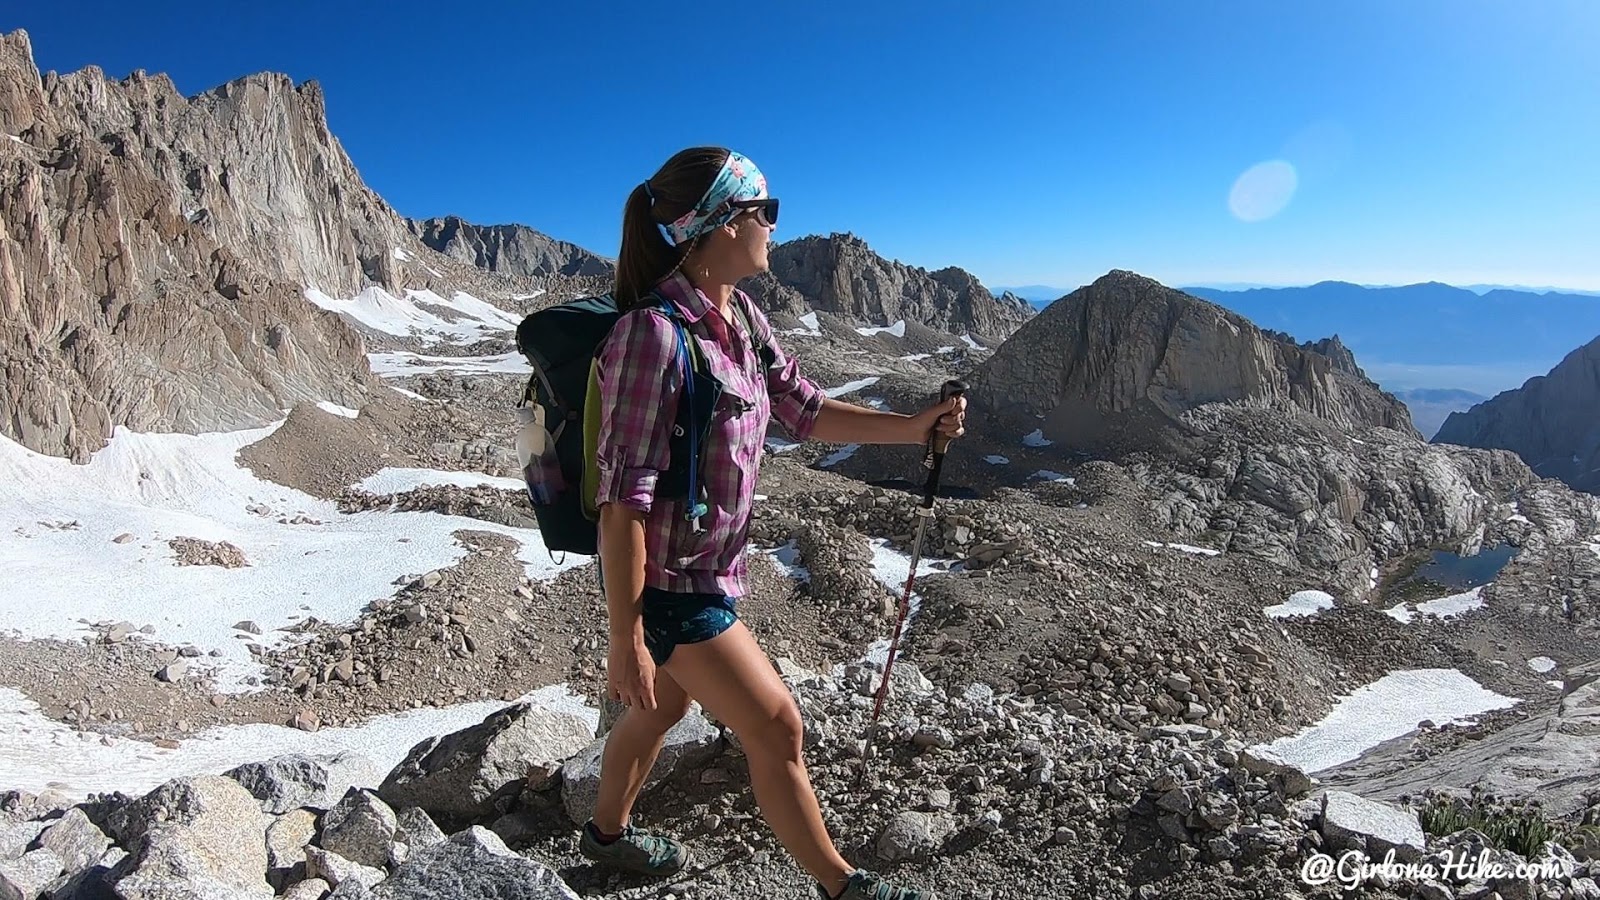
{"x":562,"y":343}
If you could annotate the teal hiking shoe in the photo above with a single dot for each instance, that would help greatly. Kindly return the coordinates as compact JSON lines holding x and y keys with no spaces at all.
{"x":639,"y":852}
{"x":864,"y":885}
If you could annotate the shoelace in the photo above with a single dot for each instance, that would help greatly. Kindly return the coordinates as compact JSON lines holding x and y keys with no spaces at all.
{"x":659,"y":850}
{"x":882,"y":891}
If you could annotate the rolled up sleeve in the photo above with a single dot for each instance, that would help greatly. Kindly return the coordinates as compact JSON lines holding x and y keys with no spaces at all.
{"x":796,"y":399}
{"x":639,"y":377}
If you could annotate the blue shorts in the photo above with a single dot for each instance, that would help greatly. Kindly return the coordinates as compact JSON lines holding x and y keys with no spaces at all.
{"x":672,"y":618}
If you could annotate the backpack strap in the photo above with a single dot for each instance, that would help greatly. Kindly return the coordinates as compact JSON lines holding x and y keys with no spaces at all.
{"x":761,"y":341}
{"x":692,"y":362}
{"x":689,"y":351}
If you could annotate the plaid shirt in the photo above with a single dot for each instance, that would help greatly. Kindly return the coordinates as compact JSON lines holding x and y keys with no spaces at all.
{"x":640,"y":376}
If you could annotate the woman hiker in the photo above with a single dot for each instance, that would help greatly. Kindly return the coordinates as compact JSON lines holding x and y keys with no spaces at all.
{"x":689,"y":234}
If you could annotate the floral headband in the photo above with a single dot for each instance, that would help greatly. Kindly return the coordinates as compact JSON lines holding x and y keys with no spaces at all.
{"x":737,"y":184}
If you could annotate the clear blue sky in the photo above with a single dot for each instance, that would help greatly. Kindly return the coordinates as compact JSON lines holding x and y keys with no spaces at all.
{"x":1030,"y":142}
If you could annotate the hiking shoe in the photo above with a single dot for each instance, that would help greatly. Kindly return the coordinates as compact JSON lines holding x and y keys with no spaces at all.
{"x":864,"y":885}
{"x":636,"y":851}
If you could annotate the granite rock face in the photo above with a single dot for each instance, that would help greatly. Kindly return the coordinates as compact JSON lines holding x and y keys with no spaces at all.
{"x":1550,"y":421}
{"x":840,"y":274}
{"x":508,"y":249}
{"x":1122,"y":360}
{"x":154,"y":251}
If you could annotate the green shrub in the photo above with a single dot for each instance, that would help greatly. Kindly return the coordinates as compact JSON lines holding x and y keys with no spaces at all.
{"x":1518,"y":827}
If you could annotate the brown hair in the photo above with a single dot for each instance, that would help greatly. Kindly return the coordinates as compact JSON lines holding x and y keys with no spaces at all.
{"x":646,"y":257}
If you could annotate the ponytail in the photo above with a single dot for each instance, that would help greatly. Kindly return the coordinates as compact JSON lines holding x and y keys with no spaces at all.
{"x":646,"y":256}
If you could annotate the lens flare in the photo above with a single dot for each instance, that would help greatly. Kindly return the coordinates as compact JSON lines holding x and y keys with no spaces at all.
{"x":1262,"y":191}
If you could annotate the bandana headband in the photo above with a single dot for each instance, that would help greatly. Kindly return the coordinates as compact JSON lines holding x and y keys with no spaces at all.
{"x":738,"y":179}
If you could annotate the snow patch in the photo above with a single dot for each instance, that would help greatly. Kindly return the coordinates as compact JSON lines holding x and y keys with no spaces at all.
{"x":777,"y":444}
{"x":1301,"y":603}
{"x":399,"y":480}
{"x":336,"y":409}
{"x":1542,"y":664}
{"x":402,"y":363}
{"x":1036,"y":438}
{"x":306,"y":558}
{"x":850,"y":387}
{"x":898,"y":329}
{"x":1386,"y":709}
{"x":401,"y":255}
{"x":967,"y":338}
{"x":1453,"y":605}
{"x":1185,"y":548}
{"x":463,"y":317}
{"x":917,"y":357}
{"x":1047,"y":475}
{"x":41,"y":753}
{"x":412,"y":394}
{"x":892,"y":568}
{"x":995,"y":459}
{"x":813,"y":328}
{"x":1400,"y":613}
{"x":838,"y":456}
{"x":787,"y":558}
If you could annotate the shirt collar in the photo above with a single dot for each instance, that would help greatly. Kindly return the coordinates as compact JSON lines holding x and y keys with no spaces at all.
{"x":691,"y":302}
{"x":680,"y":292}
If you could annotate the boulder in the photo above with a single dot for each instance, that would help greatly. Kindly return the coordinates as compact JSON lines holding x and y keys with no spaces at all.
{"x":459,"y":777}
{"x":1350,"y":822}
{"x":294,"y":780}
{"x":200,"y":837}
{"x":691,"y":743}
{"x":360,"y":828}
{"x":473,"y":865}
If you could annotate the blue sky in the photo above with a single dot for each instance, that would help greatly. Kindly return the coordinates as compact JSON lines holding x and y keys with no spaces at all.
{"x":1029,"y":142}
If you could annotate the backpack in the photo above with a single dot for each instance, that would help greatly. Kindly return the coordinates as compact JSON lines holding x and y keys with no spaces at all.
{"x":562,"y":344}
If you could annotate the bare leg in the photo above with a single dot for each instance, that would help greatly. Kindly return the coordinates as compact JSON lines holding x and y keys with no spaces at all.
{"x":631,"y":749}
{"x":735,"y":682}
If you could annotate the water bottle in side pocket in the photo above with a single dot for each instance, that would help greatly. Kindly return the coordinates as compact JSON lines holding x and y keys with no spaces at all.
{"x":536,"y":452}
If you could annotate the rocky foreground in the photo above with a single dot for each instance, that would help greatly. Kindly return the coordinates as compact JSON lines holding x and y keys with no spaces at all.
{"x":975,"y":795}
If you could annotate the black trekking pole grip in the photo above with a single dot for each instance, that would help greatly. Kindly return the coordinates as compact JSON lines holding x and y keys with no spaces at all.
{"x":933,"y":458}
{"x":952,"y":388}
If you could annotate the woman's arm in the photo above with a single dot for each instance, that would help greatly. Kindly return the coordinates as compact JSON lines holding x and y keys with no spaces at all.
{"x":846,"y":423}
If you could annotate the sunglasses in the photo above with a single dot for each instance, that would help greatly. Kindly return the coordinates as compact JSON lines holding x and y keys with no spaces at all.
{"x":766,"y":210}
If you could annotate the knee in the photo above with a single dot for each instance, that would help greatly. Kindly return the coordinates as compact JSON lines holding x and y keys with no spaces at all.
{"x":779,"y":735}
{"x":664,"y":716}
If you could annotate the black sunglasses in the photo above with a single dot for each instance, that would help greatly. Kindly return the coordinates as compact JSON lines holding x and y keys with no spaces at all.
{"x":766,"y":209}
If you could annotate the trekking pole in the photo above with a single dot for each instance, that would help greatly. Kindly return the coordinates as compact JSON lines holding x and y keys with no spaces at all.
{"x":933,"y":461}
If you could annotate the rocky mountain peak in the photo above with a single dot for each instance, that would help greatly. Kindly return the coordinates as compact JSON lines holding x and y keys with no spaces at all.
{"x":21,"y":89}
{"x":840,"y":273}
{"x":154,"y":251}
{"x":1127,"y":352}
{"x":1550,"y":421}
{"x":508,"y":249}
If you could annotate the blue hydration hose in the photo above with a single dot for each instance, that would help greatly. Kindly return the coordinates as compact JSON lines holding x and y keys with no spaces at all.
{"x":695,"y":509}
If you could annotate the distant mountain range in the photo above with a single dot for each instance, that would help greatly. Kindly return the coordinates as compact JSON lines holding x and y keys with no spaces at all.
{"x":1418,"y":336}
{"x":1040,"y":295}
{"x":1430,"y":407}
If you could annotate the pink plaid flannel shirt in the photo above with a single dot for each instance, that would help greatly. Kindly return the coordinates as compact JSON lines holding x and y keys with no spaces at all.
{"x":640,"y":375}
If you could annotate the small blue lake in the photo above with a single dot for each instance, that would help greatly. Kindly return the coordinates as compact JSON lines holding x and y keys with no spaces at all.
{"x":1466,"y":572}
